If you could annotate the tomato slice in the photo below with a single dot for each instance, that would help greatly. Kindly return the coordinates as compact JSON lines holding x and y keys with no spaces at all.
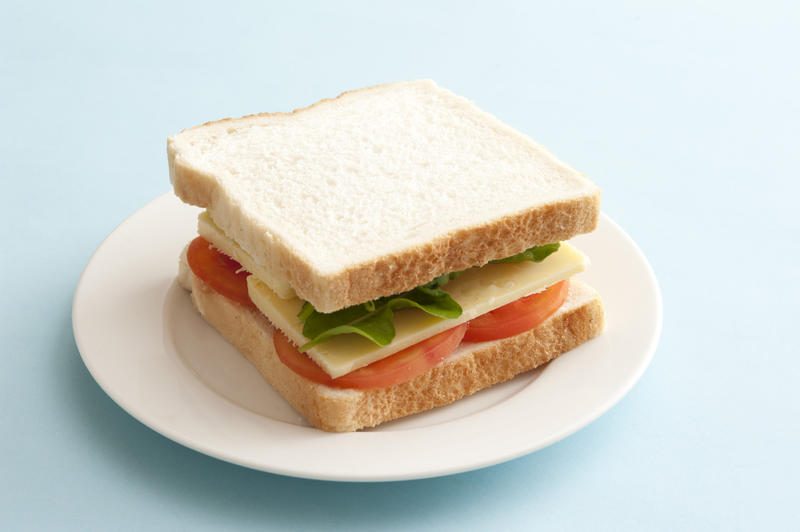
{"x":228,"y":278}
{"x":395,"y":369}
{"x":518,"y":316}
{"x":217,"y":270}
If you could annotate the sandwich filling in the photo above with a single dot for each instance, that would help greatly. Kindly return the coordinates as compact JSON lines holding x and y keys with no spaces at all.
{"x":477,"y":291}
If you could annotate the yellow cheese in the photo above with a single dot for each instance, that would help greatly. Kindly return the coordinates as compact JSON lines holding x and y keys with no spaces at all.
{"x":478,"y":291}
{"x":209,"y":230}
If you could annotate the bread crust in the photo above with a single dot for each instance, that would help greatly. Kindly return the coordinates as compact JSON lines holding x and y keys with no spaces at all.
{"x":467,"y":371}
{"x":396,"y":272}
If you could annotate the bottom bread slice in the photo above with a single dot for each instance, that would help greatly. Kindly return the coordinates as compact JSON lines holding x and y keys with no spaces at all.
{"x":470,"y":368}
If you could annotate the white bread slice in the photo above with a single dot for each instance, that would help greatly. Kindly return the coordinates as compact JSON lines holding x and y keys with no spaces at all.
{"x":378,"y":190}
{"x":472,"y":367}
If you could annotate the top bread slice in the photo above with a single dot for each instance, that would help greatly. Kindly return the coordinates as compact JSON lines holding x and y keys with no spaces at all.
{"x":378,"y":190}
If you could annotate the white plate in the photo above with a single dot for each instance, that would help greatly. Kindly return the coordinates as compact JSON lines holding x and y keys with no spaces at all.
{"x":152,"y":353}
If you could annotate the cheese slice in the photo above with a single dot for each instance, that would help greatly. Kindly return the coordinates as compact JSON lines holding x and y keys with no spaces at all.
{"x":478,"y":291}
{"x":209,"y":230}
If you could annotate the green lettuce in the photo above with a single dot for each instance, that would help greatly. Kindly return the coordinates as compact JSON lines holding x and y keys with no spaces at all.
{"x":373,"y":319}
{"x":535,"y":254}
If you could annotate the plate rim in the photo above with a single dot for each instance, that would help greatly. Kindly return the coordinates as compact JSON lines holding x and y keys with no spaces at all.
{"x":356,"y":476}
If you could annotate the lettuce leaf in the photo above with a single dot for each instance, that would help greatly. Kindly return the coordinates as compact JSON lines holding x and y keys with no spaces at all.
{"x":373,"y":319}
{"x":535,"y":254}
{"x":376,"y":325}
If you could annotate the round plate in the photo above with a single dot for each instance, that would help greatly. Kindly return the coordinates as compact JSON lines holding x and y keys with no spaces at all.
{"x":151,"y":352}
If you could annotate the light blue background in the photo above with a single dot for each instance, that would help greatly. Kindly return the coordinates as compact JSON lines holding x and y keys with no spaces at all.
{"x":685,"y":114}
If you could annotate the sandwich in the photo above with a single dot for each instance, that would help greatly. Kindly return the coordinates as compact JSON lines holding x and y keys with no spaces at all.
{"x":385,"y":252}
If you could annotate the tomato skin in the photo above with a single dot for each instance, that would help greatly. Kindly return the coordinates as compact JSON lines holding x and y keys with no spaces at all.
{"x":518,"y":316}
{"x":223,"y":274}
{"x":394,"y":369}
{"x":298,"y":362}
